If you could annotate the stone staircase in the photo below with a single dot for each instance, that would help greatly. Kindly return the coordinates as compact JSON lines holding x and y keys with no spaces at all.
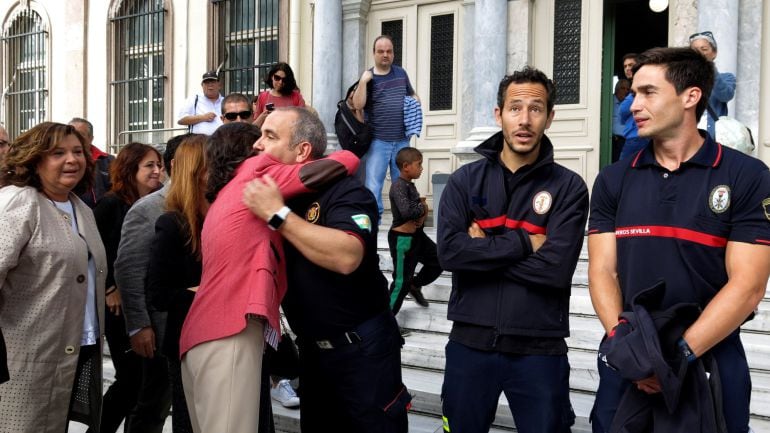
{"x":423,"y":355}
{"x":423,"y":360}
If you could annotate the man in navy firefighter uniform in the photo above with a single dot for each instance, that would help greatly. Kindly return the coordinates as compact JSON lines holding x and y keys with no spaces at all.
{"x":687,"y":212}
{"x":510,"y":229}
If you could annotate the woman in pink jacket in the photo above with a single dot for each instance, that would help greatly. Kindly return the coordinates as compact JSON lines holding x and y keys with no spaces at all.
{"x":235,"y":310}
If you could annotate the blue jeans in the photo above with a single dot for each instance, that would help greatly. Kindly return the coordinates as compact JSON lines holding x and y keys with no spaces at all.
{"x":381,"y":154}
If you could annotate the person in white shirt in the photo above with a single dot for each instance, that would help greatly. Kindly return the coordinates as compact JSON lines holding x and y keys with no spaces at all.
{"x":202,"y":112}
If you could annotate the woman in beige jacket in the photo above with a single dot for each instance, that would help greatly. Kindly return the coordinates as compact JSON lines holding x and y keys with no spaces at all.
{"x":52,"y":274}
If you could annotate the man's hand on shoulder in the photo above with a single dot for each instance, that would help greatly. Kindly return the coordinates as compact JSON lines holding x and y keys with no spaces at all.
{"x":366,"y":77}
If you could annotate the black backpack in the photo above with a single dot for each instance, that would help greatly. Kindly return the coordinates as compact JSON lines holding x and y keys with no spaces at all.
{"x":352,"y":134}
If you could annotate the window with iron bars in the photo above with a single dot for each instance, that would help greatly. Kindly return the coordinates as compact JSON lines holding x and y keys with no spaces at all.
{"x":246,"y":35}
{"x":139,"y":80}
{"x":25,"y":90}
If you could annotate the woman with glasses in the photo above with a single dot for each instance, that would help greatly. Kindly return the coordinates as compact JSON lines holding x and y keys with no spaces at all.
{"x":282,"y":91}
{"x":134,"y":174}
{"x":724,"y":82}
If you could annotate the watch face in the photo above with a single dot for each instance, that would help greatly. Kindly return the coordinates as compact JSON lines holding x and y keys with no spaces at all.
{"x":275,"y":222}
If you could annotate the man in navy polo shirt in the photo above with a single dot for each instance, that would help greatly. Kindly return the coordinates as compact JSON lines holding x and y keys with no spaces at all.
{"x":511,"y":227}
{"x":383,"y":102}
{"x":686,"y":211}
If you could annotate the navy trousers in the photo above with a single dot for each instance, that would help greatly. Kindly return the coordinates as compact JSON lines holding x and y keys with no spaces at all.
{"x":733,"y":372}
{"x":537,"y":389}
{"x":355,"y":387}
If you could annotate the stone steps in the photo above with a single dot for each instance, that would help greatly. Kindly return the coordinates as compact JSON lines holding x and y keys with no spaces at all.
{"x":423,"y":353}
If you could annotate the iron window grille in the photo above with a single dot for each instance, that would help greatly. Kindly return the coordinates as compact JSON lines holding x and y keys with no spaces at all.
{"x":25,"y":95}
{"x":139,"y":84}
{"x":246,"y":35}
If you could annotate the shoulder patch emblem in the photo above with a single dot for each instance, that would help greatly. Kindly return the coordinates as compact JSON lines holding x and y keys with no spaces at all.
{"x":363,"y":222}
{"x":313,"y":212}
{"x":766,"y":207}
{"x":541,"y":204}
{"x":719,"y":199}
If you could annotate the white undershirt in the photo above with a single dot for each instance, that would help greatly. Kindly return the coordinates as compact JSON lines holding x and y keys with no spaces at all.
{"x":91,"y":320}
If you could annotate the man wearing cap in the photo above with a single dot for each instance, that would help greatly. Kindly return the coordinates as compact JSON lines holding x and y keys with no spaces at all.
{"x":202,"y":112}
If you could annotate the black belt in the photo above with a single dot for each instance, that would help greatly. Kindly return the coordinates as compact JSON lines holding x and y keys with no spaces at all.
{"x":339,"y":341}
{"x":354,"y":336}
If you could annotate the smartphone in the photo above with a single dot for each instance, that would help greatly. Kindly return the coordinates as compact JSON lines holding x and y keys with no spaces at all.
{"x":270,"y":107}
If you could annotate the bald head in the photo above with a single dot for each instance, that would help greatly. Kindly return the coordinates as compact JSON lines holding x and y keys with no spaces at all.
{"x":84,"y":128}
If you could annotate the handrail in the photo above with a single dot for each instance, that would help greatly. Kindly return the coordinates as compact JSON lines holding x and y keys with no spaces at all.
{"x":154,"y":137}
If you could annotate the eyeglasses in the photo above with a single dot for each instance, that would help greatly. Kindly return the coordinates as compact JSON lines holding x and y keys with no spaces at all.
{"x":706,"y":34}
{"x":244,"y":115}
{"x":278,"y":78}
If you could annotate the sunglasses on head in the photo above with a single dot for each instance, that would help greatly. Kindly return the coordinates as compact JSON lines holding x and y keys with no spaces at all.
{"x":243,"y":115}
{"x":278,"y":78}
{"x":706,"y":34}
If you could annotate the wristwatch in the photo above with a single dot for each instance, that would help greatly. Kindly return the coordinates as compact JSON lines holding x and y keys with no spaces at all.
{"x":686,"y":351}
{"x":278,"y":218}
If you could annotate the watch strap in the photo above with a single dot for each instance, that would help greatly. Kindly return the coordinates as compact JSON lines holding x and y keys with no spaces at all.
{"x":278,"y":218}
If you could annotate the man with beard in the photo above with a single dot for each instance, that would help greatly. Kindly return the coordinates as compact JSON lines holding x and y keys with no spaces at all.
{"x":510,"y":230}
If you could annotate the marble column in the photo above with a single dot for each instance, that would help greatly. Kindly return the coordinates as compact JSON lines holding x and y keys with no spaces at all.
{"x":749,"y":64}
{"x":763,"y":139}
{"x":721,"y":18}
{"x":490,"y":27}
{"x":354,"y":43}
{"x":327,"y":62}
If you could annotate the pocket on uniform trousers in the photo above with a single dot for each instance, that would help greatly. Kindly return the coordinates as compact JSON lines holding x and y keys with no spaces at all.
{"x":399,"y":404}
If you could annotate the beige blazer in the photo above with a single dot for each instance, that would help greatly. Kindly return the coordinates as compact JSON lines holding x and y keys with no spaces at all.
{"x":43,"y":290}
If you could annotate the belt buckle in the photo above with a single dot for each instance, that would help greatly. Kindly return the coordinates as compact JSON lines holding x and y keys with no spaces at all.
{"x":324,"y":344}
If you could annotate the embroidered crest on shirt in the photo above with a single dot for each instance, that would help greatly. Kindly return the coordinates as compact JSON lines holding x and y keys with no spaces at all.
{"x":313,"y":212}
{"x":766,"y":207}
{"x":362,"y":221}
{"x":542,"y":202}
{"x":719,"y":199}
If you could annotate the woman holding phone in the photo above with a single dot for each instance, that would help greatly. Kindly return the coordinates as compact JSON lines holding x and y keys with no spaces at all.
{"x":282,"y":91}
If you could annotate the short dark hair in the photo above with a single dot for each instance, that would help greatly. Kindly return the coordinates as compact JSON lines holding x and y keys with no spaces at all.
{"x":380,"y":37}
{"x":236,"y":97}
{"x":226,"y":149}
{"x":685,"y":68}
{"x":527,"y":75}
{"x":171,"y":146}
{"x":407,"y":155}
{"x":19,"y":166}
{"x":289,"y":83}
{"x":632,"y":56}
{"x":307,"y":127}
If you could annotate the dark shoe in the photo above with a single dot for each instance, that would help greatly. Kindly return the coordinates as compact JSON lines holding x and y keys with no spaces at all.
{"x":417,"y":296}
